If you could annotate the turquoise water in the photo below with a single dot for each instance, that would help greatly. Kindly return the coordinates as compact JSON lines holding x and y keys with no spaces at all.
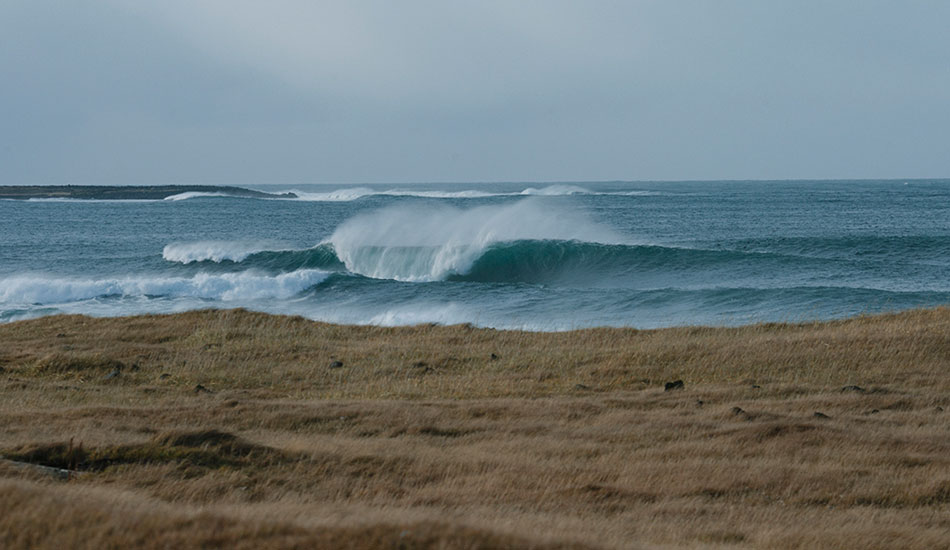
{"x":539,"y":257}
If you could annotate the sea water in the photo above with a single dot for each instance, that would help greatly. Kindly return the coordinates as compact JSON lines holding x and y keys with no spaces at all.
{"x":521,"y":256}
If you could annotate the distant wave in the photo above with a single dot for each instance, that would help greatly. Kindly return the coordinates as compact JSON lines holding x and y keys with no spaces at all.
{"x":213,"y":251}
{"x":243,"y":286}
{"x":196,"y":194}
{"x":355,"y":193}
{"x":280,"y":261}
{"x":347,"y":194}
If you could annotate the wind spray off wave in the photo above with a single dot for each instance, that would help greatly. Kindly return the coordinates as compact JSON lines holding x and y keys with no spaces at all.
{"x":412,"y":243}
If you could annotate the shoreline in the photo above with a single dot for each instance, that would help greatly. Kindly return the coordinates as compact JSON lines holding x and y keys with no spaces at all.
{"x":130,"y":192}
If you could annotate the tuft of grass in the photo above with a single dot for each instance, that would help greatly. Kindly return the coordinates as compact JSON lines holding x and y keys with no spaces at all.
{"x":65,"y":363}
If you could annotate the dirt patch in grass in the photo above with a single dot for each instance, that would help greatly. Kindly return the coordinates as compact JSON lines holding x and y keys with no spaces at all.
{"x":205,"y":448}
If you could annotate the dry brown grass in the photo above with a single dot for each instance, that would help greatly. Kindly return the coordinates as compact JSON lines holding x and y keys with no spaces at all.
{"x":455,"y":437}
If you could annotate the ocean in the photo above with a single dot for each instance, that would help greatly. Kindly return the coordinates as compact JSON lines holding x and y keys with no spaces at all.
{"x":541,"y":257}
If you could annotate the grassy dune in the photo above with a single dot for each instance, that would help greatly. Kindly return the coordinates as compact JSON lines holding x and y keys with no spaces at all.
{"x":238,"y":429}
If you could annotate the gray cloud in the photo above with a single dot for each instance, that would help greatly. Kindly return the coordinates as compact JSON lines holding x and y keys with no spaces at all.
{"x":297,"y":91}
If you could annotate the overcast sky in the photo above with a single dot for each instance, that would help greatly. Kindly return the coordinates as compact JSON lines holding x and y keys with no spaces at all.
{"x":252,"y":92}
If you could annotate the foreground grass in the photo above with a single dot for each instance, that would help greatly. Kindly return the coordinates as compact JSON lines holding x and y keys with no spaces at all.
{"x":232,"y":428}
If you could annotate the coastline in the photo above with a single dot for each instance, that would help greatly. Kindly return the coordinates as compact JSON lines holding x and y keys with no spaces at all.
{"x":271,"y":431}
{"x":123,"y":192}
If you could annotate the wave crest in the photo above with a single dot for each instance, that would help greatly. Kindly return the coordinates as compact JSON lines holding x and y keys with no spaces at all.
{"x":227,"y":287}
{"x":214,"y":251}
{"x":409,"y":243}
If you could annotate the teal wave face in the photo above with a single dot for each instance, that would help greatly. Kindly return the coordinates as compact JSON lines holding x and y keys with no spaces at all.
{"x":594,"y":264}
{"x":320,"y":257}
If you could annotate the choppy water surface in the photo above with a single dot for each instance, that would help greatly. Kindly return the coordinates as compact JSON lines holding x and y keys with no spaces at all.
{"x":538,"y":257}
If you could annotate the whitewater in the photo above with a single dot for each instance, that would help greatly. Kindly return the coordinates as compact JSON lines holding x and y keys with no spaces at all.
{"x":518,"y":256}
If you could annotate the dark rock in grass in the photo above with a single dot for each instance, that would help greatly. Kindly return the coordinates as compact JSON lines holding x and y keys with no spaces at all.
{"x":675,"y":385}
{"x":116,"y":372}
{"x":756,"y":387}
{"x":699,"y":403}
{"x":738,"y":411}
{"x":494,"y":357}
{"x":821,"y":415}
{"x":937,"y":409}
{"x":164,"y":376}
{"x":856,"y":389}
{"x":336,"y":365}
{"x":872,"y":411}
{"x":581,"y":387}
{"x":420,"y":364}
{"x":201,"y":389}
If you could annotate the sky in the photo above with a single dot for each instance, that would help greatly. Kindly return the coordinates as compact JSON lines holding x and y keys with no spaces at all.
{"x":284,"y":91}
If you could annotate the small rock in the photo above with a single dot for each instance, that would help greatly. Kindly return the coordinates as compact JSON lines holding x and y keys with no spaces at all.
{"x":821,"y":415}
{"x":675,"y":385}
{"x":134,"y":367}
{"x":164,"y":376}
{"x":581,"y":387}
{"x":336,"y":365}
{"x":494,"y":357}
{"x":114,"y":374}
{"x":872,"y":411}
{"x":938,"y":408}
{"x":699,"y":402}
{"x":756,"y":387}
{"x":738,"y":411}
{"x":201,"y":389}
{"x":420,"y":364}
{"x":61,"y":335}
{"x":856,"y":389}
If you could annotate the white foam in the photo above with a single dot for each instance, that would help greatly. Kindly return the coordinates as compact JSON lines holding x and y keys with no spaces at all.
{"x":339,"y":195}
{"x":69,"y":199}
{"x":416,"y":314}
{"x":195,"y":194}
{"x":354,"y":193}
{"x":244,"y":286}
{"x":215,"y":251}
{"x":558,"y":190}
{"x":412,"y":243}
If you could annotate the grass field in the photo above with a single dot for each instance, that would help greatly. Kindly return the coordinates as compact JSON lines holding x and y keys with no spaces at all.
{"x":233,"y":429}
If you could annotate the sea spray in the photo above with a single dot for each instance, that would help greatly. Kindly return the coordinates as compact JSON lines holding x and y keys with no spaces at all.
{"x":416,"y":243}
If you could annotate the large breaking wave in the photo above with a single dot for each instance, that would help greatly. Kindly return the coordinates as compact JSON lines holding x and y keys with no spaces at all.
{"x":524,"y":241}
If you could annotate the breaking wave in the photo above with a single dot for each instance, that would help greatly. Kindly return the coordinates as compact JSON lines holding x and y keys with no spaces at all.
{"x":229,"y":287}
{"x":214,"y":251}
{"x":195,"y":195}
{"x":412,"y":243}
{"x":354,"y":193}
{"x":529,"y":241}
